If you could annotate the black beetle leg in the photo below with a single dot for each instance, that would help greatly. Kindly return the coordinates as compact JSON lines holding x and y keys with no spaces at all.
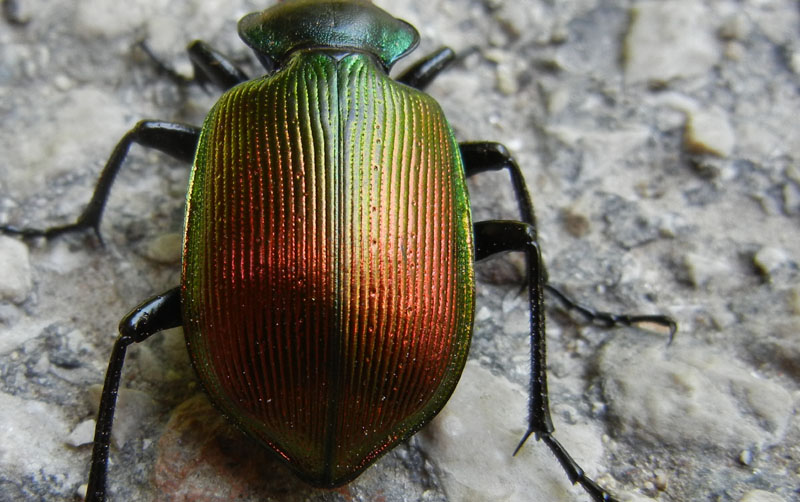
{"x":422,"y":73}
{"x":209,"y":65}
{"x":11,"y":13}
{"x":177,"y":140}
{"x":212,"y":66}
{"x":484,"y":156}
{"x":496,"y":236}
{"x":156,"y":314}
{"x":609,"y":319}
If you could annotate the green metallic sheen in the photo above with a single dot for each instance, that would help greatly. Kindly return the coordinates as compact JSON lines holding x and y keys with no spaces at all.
{"x":349,"y":25}
{"x":328,"y":265}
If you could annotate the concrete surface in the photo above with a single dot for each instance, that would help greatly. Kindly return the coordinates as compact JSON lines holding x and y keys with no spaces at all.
{"x":660,"y":141}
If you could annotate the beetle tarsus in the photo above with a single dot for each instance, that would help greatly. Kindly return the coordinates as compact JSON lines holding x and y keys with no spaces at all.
{"x":574,"y":472}
{"x":49,"y":233}
{"x":610,"y":319}
{"x":174,"y":139}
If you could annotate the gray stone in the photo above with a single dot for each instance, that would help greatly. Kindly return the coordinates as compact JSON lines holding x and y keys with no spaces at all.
{"x":15,"y":262}
{"x":761,"y":496}
{"x":771,"y":261}
{"x":82,"y":434}
{"x":708,"y":131}
{"x":667,"y":40}
{"x":165,"y":249}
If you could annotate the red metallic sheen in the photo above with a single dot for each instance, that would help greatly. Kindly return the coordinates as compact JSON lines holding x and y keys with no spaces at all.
{"x":327,"y":276}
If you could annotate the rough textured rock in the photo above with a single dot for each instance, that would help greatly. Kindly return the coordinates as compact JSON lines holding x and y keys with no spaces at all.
{"x":669,"y":40}
{"x":660,"y":142}
{"x":17,"y":282}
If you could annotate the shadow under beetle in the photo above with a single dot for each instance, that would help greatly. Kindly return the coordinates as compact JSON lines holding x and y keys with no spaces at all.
{"x":327,"y":283}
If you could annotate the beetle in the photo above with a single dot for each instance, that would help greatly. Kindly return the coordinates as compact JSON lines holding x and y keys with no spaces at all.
{"x":327,"y":287}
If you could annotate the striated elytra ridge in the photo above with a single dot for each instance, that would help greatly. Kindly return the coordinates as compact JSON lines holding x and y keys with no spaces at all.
{"x":327,"y":277}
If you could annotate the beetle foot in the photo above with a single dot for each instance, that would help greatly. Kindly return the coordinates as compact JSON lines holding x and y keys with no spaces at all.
{"x":575,"y":473}
{"x":25,"y":233}
{"x":49,"y":233}
{"x":524,"y":438}
{"x":610,"y":319}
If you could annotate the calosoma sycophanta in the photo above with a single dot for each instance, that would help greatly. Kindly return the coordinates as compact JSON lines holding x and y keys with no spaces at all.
{"x":327,"y":284}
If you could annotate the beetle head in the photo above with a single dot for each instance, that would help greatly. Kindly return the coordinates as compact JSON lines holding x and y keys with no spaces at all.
{"x":348,"y":25}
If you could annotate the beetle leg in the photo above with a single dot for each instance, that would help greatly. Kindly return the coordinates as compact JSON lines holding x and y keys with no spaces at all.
{"x":496,"y":236}
{"x":156,"y":314}
{"x":422,"y":73}
{"x":209,"y":65}
{"x":212,"y":66}
{"x":609,"y":319}
{"x":176,"y":140}
{"x":484,"y":156}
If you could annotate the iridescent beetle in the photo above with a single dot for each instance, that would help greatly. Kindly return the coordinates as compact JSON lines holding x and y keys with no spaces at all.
{"x":327,"y":286}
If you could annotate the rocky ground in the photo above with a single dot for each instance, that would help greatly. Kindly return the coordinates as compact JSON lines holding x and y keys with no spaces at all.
{"x":661,"y":144}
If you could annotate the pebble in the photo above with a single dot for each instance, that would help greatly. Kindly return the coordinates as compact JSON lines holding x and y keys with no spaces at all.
{"x":761,"y":496}
{"x":704,"y":270}
{"x":82,"y":434}
{"x":165,"y":249}
{"x":669,"y":40}
{"x":735,"y":27}
{"x":17,"y":281}
{"x":709,"y":132}
{"x":770,"y":260}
